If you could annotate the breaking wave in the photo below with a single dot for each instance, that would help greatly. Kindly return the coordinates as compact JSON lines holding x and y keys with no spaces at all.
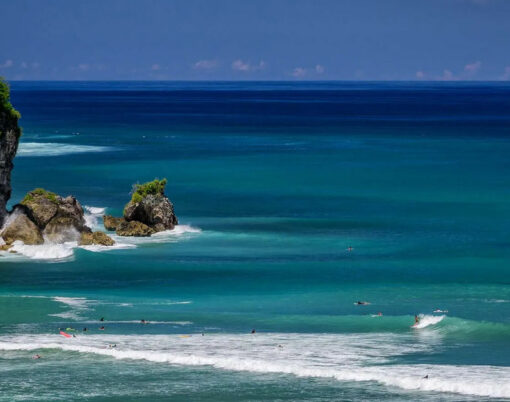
{"x":350,"y":358}
{"x":427,"y":320}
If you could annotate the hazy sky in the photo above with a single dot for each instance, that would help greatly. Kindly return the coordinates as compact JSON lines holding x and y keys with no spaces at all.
{"x":255,"y":39}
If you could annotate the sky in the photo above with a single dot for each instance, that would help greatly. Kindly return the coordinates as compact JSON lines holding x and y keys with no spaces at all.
{"x":255,"y":39}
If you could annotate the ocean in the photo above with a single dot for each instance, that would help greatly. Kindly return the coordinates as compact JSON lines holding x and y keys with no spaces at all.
{"x":295,"y":201}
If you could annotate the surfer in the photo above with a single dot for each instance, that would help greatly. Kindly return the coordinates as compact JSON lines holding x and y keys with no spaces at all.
{"x":143,"y":321}
{"x":253,"y":331}
{"x":35,"y":357}
{"x":102,"y":319}
{"x":362,"y":303}
{"x":426,"y":377}
{"x":85,"y":329}
{"x":349,"y":249}
{"x":416,"y":320}
{"x":101,"y":328}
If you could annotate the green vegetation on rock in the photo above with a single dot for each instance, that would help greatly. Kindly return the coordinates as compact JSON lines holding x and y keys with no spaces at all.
{"x":140,"y":191}
{"x":5,"y":103}
{"x":39,"y":192}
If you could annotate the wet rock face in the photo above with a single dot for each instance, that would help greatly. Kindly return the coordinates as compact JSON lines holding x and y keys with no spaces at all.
{"x":41,"y":207}
{"x":154,"y":210}
{"x":97,"y":238}
{"x":111,"y":222}
{"x":61,"y":219}
{"x":69,"y":213}
{"x":19,"y":227}
{"x":134,"y":228}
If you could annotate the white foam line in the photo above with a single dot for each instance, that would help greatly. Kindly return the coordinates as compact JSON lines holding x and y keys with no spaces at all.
{"x":56,"y":149}
{"x":482,"y":381}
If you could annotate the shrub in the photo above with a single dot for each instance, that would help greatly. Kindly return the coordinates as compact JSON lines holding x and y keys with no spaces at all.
{"x":152,"y":187}
{"x":39,"y":192}
{"x":5,"y":103}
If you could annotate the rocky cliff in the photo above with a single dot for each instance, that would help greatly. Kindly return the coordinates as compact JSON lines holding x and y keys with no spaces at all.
{"x":9,"y":137}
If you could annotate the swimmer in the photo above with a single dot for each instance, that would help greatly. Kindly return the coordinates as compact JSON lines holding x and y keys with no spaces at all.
{"x":84,"y":329}
{"x":349,"y":249}
{"x":102,"y":319}
{"x":253,"y":331}
{"x":426,"y":377}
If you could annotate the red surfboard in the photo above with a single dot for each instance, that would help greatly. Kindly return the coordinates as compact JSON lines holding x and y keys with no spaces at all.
{"x":64,"y":334}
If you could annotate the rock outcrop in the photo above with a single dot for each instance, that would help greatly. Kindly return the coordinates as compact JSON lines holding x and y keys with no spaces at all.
{"x":97,"y":238}
{"x":19,"y":227}
{"x":9,"y":138}
{"x":154,"y":210}
{"x":148,"y":212}
{"x":45,"y":216}
{"x":111,"y":222}
{"x":134,"y":228}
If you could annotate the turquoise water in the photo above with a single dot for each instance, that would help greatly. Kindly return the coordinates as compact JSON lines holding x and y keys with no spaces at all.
{"x":272,"y":183}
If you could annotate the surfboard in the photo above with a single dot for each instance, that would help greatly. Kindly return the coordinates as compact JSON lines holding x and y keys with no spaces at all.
{"x":64,"y":334}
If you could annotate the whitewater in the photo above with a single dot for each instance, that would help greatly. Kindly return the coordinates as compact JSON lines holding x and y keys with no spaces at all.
{"x":348,"y":358}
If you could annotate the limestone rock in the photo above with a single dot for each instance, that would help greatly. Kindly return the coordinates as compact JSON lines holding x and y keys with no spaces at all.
{"x":99,"y":238}
{"x":42,"y":204}
{"x":154,"y":210}
{"x":19,"y":227}
{"x":134,"y":228}
{"x":111,"y":222}
{"x":68,"y":222}
{"x":9,"y":138}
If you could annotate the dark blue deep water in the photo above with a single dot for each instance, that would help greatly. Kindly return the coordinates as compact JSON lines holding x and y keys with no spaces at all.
{"x":295,"y":200}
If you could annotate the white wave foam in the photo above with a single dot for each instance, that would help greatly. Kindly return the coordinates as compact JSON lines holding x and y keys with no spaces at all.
{"x":351,"y":358}
{"x":77,"y":305}
{"x":65,"y":251}
{"x":46,"y":251}
{"x":166,"y":236}
{"x":94,"y":210}
{"x":92,"y":216}
{"x":426,"y":320}
{"x":76,"y":302}
{"x":56,"y":149}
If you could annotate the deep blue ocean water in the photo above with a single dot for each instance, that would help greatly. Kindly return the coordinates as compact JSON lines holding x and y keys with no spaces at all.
{"x":295,"y":200}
